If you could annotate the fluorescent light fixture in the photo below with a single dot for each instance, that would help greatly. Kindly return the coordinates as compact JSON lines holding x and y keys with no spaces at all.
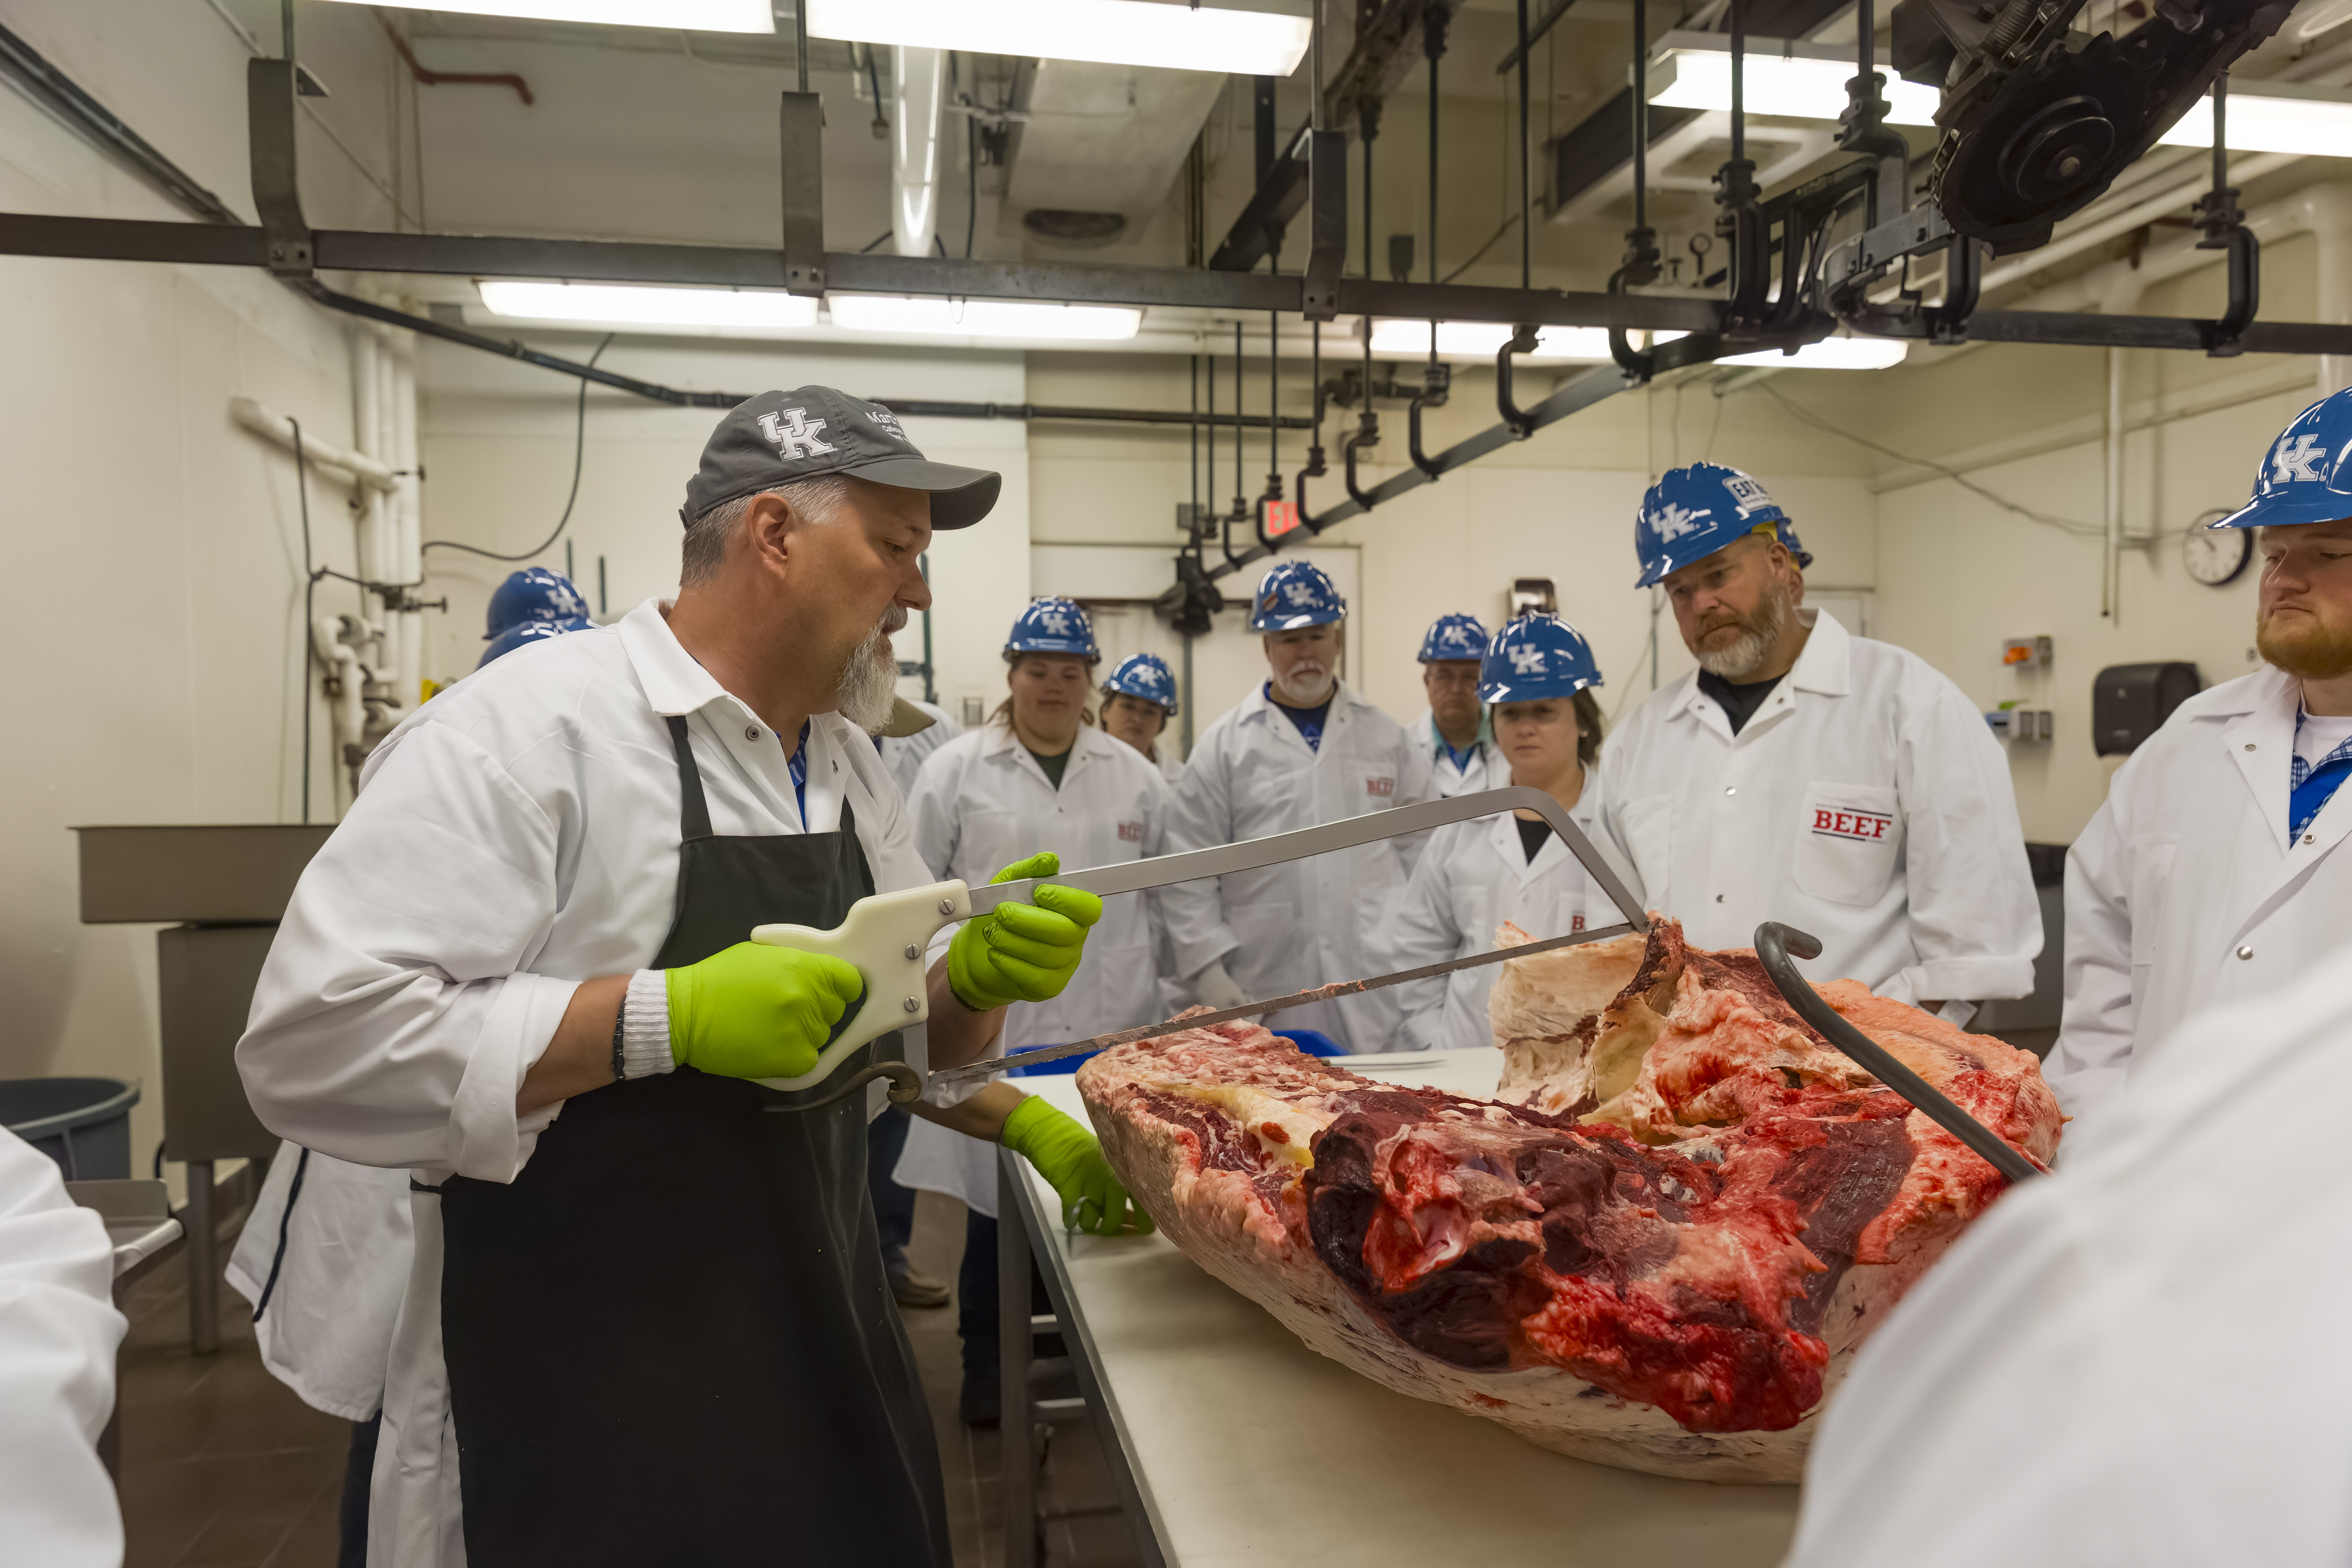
{"x":652,"y":307}
{"x":1808,"y":81}
{"x":1801,"y":82}
{"x":982,"y":318}
{"x":1484,"y":340}
{"x":697,"y":15}
{"x":2274,"y":116}
{"x":1830,"y":354}
{"x":1166,"y":32}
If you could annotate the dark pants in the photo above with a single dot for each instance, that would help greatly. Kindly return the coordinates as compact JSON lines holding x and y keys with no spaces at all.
{"x":359,"y":1469}
{"x":977,"y":1319}
{"x":894,"y":1206}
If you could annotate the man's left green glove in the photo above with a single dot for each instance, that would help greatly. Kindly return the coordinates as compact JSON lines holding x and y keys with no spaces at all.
{"x":1070,"y":1157}
{"x":1022,"y":952}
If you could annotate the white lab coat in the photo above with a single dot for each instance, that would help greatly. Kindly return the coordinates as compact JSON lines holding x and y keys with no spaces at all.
{"x":2139,"y":1361}
{"x":1864,"y":801}
{"x":2183,"y":893}
{"x":1486,"y":768}
{"x":349,"y":1243}
{"x":982,"y":803}
{"x":1288,"y":927}
{"x":1472,"y":876}
{"x":515,"y":837}
{"x":904,"y":755}
{"x":58,"y":1331}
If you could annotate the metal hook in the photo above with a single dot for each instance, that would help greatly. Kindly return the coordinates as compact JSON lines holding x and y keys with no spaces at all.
{"x":905,"y":1088}
{"x":1518,"y":421}
{"x":1774,"y":944}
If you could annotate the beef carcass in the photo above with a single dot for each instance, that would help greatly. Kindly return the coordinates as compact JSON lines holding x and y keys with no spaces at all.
{"x":1654,"y":1249}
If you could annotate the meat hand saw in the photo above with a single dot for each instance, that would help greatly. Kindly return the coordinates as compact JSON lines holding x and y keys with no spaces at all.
{"x":887,"y":937}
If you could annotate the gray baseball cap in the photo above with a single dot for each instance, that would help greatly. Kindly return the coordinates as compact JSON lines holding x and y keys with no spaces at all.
{"x":779,"y":437}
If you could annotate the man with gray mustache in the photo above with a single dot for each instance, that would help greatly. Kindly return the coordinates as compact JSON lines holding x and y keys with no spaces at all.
{"x":648,"y":1318}
{"x":1807,"y":776}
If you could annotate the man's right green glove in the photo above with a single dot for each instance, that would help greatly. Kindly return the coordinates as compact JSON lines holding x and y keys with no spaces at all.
{"x":756,"y":1011}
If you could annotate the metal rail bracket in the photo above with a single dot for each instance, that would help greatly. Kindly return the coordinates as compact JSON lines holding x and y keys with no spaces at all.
{"x":803,"y":125}
{"x":269,"y":125}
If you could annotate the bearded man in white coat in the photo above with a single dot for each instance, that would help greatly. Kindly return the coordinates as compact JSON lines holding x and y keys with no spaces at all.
{"x":1801,"y":775}
{"x":1301,"y":751}
{"x":2214,"y":874}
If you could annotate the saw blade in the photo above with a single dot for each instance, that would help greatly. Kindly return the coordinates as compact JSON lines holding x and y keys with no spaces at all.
{"x":988,"y":1067}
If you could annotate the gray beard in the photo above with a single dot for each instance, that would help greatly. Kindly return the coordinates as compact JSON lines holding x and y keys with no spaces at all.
{"x":868,"y":688}
{"x":1303,"y":688}
{"x":1748,"y":650}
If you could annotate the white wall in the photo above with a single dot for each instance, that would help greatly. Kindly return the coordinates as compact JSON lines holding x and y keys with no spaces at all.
{"x":154,"y":549}
{"x":497,"y":451}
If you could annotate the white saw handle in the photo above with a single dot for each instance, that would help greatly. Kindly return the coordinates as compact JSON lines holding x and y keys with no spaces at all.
{"x":885,"y":938}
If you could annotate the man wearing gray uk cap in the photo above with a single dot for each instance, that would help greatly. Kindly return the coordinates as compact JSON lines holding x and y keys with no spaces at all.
{"x":647,"y":1320}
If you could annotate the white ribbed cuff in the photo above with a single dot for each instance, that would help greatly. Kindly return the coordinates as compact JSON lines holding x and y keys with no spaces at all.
{"x":645,"y":1026}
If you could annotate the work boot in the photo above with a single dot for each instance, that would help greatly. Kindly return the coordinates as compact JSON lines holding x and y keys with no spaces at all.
{"x":913,"y":1290}
{"x":982,"y":1402}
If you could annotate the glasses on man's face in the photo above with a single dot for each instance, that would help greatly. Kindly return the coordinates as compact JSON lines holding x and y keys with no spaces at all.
{"x":1464,"y":678}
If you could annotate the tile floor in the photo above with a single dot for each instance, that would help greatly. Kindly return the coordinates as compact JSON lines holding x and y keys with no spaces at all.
{"x":223,"y":1468}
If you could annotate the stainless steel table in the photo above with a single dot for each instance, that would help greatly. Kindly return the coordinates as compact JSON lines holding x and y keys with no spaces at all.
{"x":1231,"y":1442}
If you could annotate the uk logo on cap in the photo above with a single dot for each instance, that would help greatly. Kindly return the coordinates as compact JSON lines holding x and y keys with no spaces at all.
{"x":1672,"y":522}
{"x":1526,"y":660}
{"x":794,"y":434}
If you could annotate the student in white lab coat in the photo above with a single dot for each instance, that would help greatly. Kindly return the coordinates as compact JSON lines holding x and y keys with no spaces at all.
{"x":1455,"y":729}
{"x":2140,"y":1361}
{"x":1139,"y":699}
{"x":1805,"y":776}
{"x":1038,"y":774}
{"x":1538,"y":676}
{"x":1301,"y":751}
{"x":58,"y":1331}
{"x":2216,"y":872}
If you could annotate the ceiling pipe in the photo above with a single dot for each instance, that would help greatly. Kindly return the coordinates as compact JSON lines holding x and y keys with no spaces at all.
{"x":918,"y":88}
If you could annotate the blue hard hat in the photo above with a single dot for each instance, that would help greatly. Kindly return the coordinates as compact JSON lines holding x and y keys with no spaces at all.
{"x":514,"y":637}
{"x":1146,"y":675}
{"x":1295,"y":594}
{"x":1534,"y":658}
{"x":2304,"y":476}
{"x":534,"y":593}
{"x":1690,"y":513}
{"x":1453,"y":638}
{"x":1053,"y":624}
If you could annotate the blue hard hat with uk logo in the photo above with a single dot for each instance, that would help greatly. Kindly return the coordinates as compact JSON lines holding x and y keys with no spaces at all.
{"x":534,"y":593}
{"x":1145,"y":676}
{"x":1534,"y":658}
{"x":2304,"y":476}
{"x":526,"y":632}
{"x":1454,"y":639}
{"x":1692,"y":512}
{"x":1295,"y":594}
{"x":1052,"y":624}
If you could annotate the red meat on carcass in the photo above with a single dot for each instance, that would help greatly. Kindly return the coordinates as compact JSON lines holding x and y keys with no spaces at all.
{"x":1654,"y":1247}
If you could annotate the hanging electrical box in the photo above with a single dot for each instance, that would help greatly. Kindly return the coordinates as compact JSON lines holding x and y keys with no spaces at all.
{"x":1533,"y":597}
{"x":2026,"y":653}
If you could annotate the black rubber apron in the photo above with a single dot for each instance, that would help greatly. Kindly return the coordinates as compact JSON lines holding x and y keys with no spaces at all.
{"x":670,"y":1340}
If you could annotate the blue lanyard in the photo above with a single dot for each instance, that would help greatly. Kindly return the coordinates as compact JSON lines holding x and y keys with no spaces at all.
{"x":2313,"y":784}
{"x":797,"y":765}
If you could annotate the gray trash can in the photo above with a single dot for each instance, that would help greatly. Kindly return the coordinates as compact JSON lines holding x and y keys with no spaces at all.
{"x":82,"y":1123}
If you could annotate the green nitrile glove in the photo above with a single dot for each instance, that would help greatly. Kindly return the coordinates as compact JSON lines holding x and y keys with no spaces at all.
{"x":756,"y":1011}
{"x":1070,"y":1157}
{"x":1022,"y":952}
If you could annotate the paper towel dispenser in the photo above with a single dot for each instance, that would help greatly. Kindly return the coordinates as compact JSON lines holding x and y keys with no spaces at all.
{"x":2130,"y":703}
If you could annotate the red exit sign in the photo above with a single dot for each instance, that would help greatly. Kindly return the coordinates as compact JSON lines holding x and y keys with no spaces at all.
{"x":1281,"y":518}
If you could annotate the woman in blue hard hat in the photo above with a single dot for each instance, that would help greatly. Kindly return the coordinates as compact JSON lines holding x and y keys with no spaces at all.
{"x":1037,"y":773}
{"x":1537,"y":678}
{"x":1301,"y":751}
{"x":1139,"y":699}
